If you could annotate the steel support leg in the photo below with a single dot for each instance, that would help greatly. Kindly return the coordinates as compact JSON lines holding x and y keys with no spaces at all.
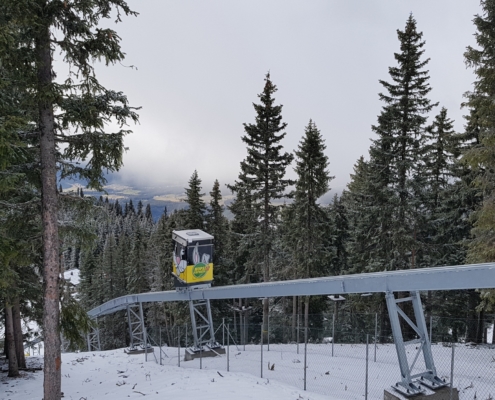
{"x":202,"y":324}
{"x":409,"y":384}
{"x":93,"y":339}
{"x":137,"y":330}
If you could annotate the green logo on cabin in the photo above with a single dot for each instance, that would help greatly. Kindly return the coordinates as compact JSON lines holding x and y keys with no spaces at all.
{"x":200,"y":270}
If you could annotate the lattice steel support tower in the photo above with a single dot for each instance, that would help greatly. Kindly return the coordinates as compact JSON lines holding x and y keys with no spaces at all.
{"x":202,"y":324}
{"x":137,"y":329}
{"x":93,"y":339}
{"x":409,"y":384}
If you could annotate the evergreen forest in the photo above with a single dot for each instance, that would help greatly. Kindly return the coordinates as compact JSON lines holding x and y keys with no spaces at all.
{"x":423,"y":196}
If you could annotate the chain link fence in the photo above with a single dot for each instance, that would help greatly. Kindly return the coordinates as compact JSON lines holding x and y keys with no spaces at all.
{"x":350,"y":360}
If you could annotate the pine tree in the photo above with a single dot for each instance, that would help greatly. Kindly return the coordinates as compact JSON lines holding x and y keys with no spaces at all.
{"x":261,"y":179}
{"x":195,"y":214}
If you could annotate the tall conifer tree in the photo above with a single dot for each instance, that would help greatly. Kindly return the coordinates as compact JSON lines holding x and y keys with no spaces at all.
{"x":309,"y":236}
{"x":261,"y":179}
{"x":481,"y":156}
{"x":394,"y":154}
{"x":217,"y":225}
{"x":195,"y":214}
{"x":31,"y":32}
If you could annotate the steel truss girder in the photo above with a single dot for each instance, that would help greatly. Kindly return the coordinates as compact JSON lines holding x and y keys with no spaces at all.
{"x":475,"y":276}
{"x":137,"y":328}
{"x":202,"y":324}
{"x":410,"y":384}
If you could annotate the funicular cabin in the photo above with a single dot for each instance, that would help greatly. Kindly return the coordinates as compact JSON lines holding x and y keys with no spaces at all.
{"x":193,"y":258}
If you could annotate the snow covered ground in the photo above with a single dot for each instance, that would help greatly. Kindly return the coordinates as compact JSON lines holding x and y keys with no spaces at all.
{"x":113,"y":373}
{"x":97,"y":375}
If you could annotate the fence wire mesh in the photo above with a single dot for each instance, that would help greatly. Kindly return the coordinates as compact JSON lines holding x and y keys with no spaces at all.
{"x":350,"y":360}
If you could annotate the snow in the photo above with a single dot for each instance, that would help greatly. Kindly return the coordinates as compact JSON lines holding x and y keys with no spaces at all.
{"x":92,"y":375}
{"x":72,"y":276}
{"x":118,"y":375}
{"x":489,"y":334}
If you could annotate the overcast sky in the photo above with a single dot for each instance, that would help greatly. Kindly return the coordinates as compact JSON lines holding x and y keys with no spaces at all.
{"x":201,"y":64}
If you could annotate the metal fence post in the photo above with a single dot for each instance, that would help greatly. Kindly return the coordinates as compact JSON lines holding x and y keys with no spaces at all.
{"x":228,"y":348}
{"x":143,"y":330}
{"x":178,"y":345}
{"x":244,"y":330}
{"x":333,"y":331}
{"x":305,"y":353}
{"x":431,"y":326}
{"x":223,"y":331}
{"x":261,"y":341}
{"x":452,"y":370}
{"x":186,"y":336}
{"x":268,"y":333}
{"x":366,"y":380}
{"x":376,"y":333}
{"x":200,"y":357}
{"x":160,"y":343}
{"x":297,"y":335}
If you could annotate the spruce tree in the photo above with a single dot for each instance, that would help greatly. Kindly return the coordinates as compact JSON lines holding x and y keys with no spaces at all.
{"x":261,"y":179}
{"x":31,"y":33}
{"x":241,"y":238}
{"x":481,"y":156}
{"x":195,"y":214}
{"x":309,"y":236}
{"x":339,"y":224}
{"x":394,"y":155}
{"x":217,"y":225}
{"x":443,"y":206}
{"x":147,"y":214}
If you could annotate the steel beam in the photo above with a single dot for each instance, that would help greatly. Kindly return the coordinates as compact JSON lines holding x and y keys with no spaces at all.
{"x":475,"y":276}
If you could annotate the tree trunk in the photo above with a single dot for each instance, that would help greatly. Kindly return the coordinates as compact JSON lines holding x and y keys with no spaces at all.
{"x":6,"y":340}
{"x":51,"y":267}
{"x":9,"y":328}
{"x":19,"y":342}
{"x":472,"y":316}
{"x":384,"y":321}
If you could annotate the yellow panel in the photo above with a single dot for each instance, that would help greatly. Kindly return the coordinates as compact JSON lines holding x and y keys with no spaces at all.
{"x":195,"y":273}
